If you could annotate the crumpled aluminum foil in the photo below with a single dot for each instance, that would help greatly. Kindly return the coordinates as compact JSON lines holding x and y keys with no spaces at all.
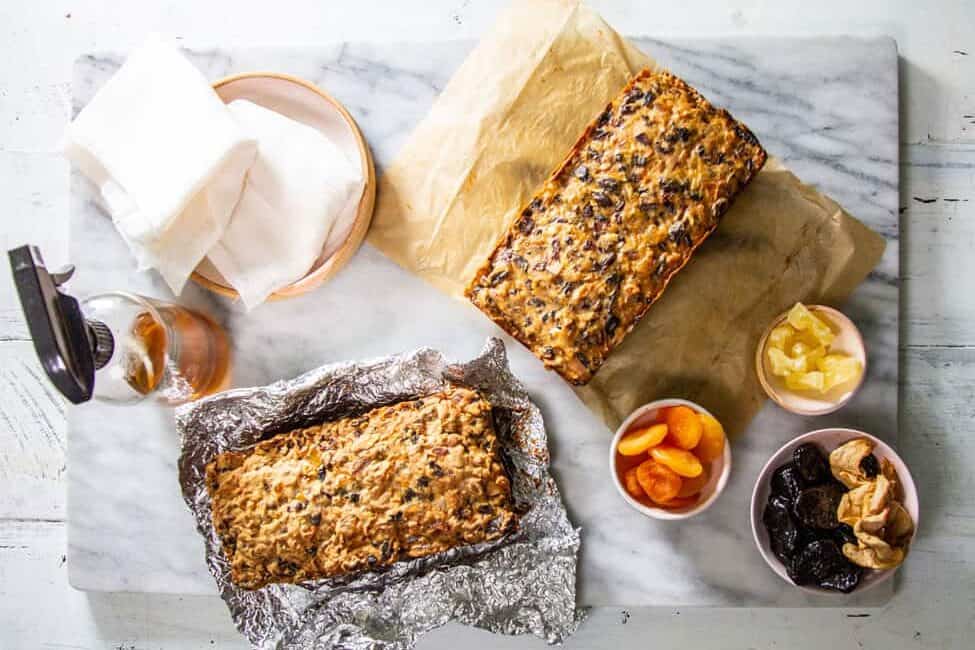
{"x":520,"y":584}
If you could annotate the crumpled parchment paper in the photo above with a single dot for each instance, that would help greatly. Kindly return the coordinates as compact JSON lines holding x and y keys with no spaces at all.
{"x":507,"y":118}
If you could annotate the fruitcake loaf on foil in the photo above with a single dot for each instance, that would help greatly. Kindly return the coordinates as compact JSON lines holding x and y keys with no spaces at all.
{"x":398,"y":482}
{"x":643,"y":187}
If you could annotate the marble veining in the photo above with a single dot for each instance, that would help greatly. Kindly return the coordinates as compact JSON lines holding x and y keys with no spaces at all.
{"x":826,"y":107}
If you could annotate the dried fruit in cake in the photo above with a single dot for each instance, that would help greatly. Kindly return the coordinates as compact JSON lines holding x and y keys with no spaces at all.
{"x":816,"y":506}
{"x":684,"y":426}
{"x":659,"y":482}
{"x":679,"y":460}
{"x":711,"y":445}
{"x":639,"y":440}
{"x":785,"y":482}
{"x":810,"y":464}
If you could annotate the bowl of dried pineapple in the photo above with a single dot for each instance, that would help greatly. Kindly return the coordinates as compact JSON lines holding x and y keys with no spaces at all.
{"x":811,"y":360}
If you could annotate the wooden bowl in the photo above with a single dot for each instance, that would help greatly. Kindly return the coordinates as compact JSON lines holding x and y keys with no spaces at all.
{"x":304,"y":102}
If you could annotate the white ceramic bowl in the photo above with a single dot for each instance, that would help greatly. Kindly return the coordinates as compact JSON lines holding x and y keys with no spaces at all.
{"x":827,"y":440}
{"x":720,"y":467}
{"x":848,"y":341}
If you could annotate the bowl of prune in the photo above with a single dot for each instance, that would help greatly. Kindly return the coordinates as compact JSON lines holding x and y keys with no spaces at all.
{"x":834,"y":511}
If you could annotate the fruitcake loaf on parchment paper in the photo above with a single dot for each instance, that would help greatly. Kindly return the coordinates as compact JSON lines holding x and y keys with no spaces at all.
{"x":643,"y":187}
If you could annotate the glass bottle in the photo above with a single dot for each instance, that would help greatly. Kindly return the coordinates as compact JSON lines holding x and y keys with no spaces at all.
{"x":118,"y":346}
{"x":158,"y":348}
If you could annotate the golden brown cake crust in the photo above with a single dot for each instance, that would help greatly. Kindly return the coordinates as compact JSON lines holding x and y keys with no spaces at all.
{"x":398,"y":482}
{"x":597,"y":245}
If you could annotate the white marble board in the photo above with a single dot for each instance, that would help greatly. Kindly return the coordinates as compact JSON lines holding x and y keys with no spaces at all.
{"x":828,"y":107}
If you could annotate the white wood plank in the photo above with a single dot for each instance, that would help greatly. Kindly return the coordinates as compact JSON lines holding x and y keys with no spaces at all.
{"x":32,"y":443}
{"x":938,"y":236}
{"x":937,"y":46}
{"x":33,"y":187}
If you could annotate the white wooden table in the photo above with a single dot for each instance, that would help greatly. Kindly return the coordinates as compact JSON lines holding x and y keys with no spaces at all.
{"x":935,"y":603}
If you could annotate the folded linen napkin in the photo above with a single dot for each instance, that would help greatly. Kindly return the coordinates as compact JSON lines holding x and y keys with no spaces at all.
{"x":298,"y":188}
{"x":167,"y":157}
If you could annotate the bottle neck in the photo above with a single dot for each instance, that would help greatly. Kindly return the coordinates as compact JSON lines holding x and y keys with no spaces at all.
{"x":101,"y":341}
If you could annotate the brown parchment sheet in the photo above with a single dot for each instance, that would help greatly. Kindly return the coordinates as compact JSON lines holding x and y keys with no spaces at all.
{"x":509,"y":116}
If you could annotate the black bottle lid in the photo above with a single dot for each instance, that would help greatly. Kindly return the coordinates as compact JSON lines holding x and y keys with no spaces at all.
{"x":69,"y":347}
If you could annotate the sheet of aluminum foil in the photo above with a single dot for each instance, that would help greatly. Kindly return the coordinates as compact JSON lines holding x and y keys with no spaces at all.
{"x":524,"y":583}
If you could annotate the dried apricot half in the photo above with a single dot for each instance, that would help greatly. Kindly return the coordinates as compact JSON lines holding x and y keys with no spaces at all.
{"x":680,"y":502}
{"x":680,"y":460}
{"x":712,"y":441}
{"x":659,"y":483}
{"x":691,"y":486}
{"x":684,"y":426}
{"x":635,"y":442}
{"x":631,"y":483}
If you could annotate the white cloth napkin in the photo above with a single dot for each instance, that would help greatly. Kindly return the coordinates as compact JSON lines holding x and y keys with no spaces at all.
{"x":298,"y":187}
{"x":167,"y":157}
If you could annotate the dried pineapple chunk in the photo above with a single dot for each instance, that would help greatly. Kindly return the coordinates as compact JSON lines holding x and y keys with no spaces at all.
{"x":798,"y":350}
{"x":783,"y":365}
{"x":780,"y":336}
{"x":838,"y":369}
{"x":814,"y":380}
{"x":802,"y":319}
{"x":811,"y":353}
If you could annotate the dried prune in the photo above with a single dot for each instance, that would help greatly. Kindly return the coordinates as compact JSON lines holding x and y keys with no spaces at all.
{"x":810,"y":463}
{"x":816,"y":506}
{"x":869,"y":466}
{"x":792,"y":569}
{"x":808,"y":535}
{"x":845,"y":580}
{"x":672,"y":185}
{"x":844,"y":535}
{"x":782,"y":531}
{"x":818,"y":561}
{"x":785,"y":482}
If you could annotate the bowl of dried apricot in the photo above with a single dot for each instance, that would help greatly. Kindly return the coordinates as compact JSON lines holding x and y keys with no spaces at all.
{"x":670,"y":459}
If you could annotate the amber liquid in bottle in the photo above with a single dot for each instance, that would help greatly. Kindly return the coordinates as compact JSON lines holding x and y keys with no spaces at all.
{"x":185,"y":357}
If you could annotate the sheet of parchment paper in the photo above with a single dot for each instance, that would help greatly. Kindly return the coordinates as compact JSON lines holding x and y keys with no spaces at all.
{"x":508,"y":117}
